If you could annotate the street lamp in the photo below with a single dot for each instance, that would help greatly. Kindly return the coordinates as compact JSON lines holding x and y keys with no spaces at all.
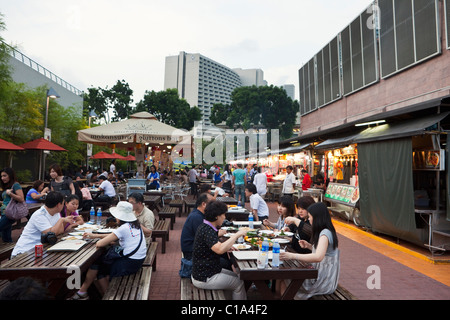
{"x":51,"y":93}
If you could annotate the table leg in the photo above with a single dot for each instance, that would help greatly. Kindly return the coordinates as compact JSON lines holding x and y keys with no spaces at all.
{"x":292,"y":289}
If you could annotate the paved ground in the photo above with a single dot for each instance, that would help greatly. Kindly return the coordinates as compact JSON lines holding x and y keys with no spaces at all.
{"x":398,"y":280}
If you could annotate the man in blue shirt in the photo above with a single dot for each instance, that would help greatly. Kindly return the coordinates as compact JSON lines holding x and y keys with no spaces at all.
{"x":239,"y":184}
{"x":193,"y":221}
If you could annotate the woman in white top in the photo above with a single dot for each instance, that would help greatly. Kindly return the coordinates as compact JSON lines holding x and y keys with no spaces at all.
{"x":131,"y":239}
{"x":324,"y":255}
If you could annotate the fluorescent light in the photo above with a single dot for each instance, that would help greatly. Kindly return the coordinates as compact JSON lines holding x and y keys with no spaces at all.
{"x":369,"y":123}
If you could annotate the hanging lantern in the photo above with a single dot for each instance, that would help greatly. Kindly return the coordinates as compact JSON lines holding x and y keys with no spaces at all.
{"x":138,"y":145}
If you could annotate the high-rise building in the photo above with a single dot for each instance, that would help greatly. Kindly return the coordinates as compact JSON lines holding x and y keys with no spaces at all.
{"x":201,"y":81}
{"x":251,"y":77}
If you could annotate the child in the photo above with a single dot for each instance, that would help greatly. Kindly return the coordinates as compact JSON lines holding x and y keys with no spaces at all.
{"x":70,"y":208}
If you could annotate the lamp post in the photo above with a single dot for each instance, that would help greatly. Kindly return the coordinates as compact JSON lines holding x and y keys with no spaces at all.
{"x":51,"y":93}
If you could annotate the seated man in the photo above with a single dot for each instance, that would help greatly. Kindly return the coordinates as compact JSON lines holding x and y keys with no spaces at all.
{"x":143,"y":213}
{"x":259,"y":207}
{"x":108,"y":190}
{"x":44,"y":220}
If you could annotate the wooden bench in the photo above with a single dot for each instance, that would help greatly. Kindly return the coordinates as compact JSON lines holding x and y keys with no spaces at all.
{"x":340,"y":294}
{"x":189,"y":203}
{"x":168,"y":213}
{"x":191,"y":292}
{"x":161,"y":230}
{"x":131,"y":287}
{"x":150,"y":259}
{"x":177,"y":203}
{"x":5,"y":250}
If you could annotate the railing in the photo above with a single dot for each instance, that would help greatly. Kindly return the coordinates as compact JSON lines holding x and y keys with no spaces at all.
{"x":37,"y":67}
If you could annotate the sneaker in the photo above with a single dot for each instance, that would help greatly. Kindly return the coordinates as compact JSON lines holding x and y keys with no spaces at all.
{"x":78,"y":296}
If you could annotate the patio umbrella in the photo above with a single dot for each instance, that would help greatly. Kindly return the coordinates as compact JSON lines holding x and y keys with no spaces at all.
{"x":102,"y":155}
{"x":139,"y":128}
{"x":42,"y":144}
{"x":129,"y":158}
{"x":5,"y":145}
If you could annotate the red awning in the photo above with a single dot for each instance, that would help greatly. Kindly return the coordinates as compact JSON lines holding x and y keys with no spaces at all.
{"x":42,"y":144}
{"x":5,"y":145}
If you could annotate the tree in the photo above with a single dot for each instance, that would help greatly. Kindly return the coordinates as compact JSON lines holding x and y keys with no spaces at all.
{"x":168,"y":108}
{"x":252,"y":107}
{"x":5,"y":68}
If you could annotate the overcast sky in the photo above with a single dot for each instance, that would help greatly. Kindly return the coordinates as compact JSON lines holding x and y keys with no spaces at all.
{"x":97,"y":42}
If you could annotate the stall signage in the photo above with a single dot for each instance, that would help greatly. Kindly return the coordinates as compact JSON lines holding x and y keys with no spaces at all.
{"x":433,"y":160}
{"x":342,"y":192}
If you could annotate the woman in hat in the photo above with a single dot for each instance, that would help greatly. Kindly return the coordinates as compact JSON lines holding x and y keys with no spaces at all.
{"x":131,"y":239}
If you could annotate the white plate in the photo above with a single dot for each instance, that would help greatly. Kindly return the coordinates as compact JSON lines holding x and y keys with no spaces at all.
{"x":72,"y":238}
{"x":242,"y":246}
{"x":286,"y":233}
{"x":279,"y":240}
{"x":87,"y":227}
{"x":80,"y":233}
{"x":266,"y":232}
{"x":228,"y":235}
{"x":245,"y":223}
{"x":106,"y":230}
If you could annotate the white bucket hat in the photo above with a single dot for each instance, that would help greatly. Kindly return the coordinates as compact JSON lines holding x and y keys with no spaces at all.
{"x":123,"y":211}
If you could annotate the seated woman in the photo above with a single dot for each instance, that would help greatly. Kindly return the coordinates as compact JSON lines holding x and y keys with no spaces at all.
{"x":300,"y":224}
{"x":130,"y":237}
{"x":324,"y":255}
{"x":207,"y":272}
{"x":36,"y":192}
{"x":285,"y":209}
{"x":70,"y":209}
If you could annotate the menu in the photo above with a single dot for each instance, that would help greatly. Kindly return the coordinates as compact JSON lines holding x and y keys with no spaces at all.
{"x":342,"y":192}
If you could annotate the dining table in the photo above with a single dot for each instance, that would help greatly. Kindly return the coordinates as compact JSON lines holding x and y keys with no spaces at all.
{"x":54,"y":267}
{"x":294,"y":272}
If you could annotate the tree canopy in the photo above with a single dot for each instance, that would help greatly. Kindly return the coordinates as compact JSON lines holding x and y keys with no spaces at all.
{"x":254,"y":107}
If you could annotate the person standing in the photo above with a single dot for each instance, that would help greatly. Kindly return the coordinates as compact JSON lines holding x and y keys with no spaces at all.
{"x":193,"y":176}
{"x":289,"y":182}
{"x":239,"y":183}
{"x":11,"y":190}
{"x":260,"y":181}
{"x":59,"y":182}
{"x":306,"y":182}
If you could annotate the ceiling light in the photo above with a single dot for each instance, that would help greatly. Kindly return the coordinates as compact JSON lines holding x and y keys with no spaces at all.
{"x":369,"y":123}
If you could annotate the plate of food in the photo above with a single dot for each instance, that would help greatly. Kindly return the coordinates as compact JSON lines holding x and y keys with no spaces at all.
{"x":87,"y":227}
{"x":106,"y":230}
{"x":76,"y":233}
{"x":266,"y":232}
{"x":242,"y":246}
{"x":284,"y":233}
{"x":72,"y":238}
{"x":281,"y":240}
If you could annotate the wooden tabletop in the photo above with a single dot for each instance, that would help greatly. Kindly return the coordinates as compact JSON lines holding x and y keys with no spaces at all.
{"x":52,"y":267}
{"x":227,"y":200}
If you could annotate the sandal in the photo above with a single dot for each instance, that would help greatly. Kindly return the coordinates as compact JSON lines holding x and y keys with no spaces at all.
{"x":78,"y":296}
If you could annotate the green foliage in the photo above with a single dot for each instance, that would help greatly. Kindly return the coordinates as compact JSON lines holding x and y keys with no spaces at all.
{"x":251,"y":107}
{"x":168,"y":108}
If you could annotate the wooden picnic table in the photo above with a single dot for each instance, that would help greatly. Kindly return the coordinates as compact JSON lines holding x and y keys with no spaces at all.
{"x":234,"y":215}
{"x":52,"y":268}
{"x":152,"y":202}
{"x":293,"y":270}
{"x":227,"y":200}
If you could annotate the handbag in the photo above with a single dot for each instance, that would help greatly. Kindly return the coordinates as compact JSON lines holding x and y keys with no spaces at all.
{"x":116,"y":252}
{"x":16,"y":210}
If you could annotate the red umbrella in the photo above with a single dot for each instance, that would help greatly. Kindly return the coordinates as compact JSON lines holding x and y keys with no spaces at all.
{"x":102,"y":155}
{"x":5,"y":145}
{"x":130,"y":158}
{"x":118,"y":156}
{"x":42,"y":144}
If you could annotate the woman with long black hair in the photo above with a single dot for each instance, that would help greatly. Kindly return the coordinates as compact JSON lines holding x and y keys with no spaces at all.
{"x":324,"y":255}
{"x":11,"y":189}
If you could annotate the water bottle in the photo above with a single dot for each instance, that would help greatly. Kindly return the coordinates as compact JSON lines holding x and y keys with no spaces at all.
{"x":99,"y":216}
{"x":92,"y":215}
{"x":263,"y":255}
{"x":250,"y":220}
{"x":276,"y":255}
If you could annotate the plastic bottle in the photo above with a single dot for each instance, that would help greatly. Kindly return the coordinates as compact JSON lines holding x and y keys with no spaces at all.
{"x":92,"y":215}
{"x":99,"y":216}
{"x":263,"y":255}
{"x":250,"y":220}
{"x":276,"y":255}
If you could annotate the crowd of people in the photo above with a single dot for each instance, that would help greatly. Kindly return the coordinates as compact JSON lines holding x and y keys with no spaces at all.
{"x":205,"y":253}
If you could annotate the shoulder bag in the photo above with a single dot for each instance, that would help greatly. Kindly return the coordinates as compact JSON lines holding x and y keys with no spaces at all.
{"x":116,"y":252}
{"x":16,"y":210}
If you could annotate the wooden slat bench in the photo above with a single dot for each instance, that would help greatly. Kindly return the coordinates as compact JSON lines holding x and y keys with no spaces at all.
{"x":177,"y":203}
{"x":191,"y":292}
{"x":161,"y":230}
{"x":168,"y":213}
{"x":132,"y":287}
{"x":150,"y":259}
{"x":189,"y":203}
{"x":340,"y":294}
{"x":5,"y":250}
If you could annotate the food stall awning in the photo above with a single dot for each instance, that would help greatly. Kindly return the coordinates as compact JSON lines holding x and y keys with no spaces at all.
{"x":399,"y":130}
{"x":295,"y":149}
{"x":336,"y":142}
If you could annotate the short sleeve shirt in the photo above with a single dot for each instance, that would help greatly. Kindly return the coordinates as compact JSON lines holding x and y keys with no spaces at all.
{"x":205,"y":262}
{"x":239,"y":175}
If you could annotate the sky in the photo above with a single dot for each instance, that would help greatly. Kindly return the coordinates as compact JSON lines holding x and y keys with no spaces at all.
{"x":97,"y":42}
